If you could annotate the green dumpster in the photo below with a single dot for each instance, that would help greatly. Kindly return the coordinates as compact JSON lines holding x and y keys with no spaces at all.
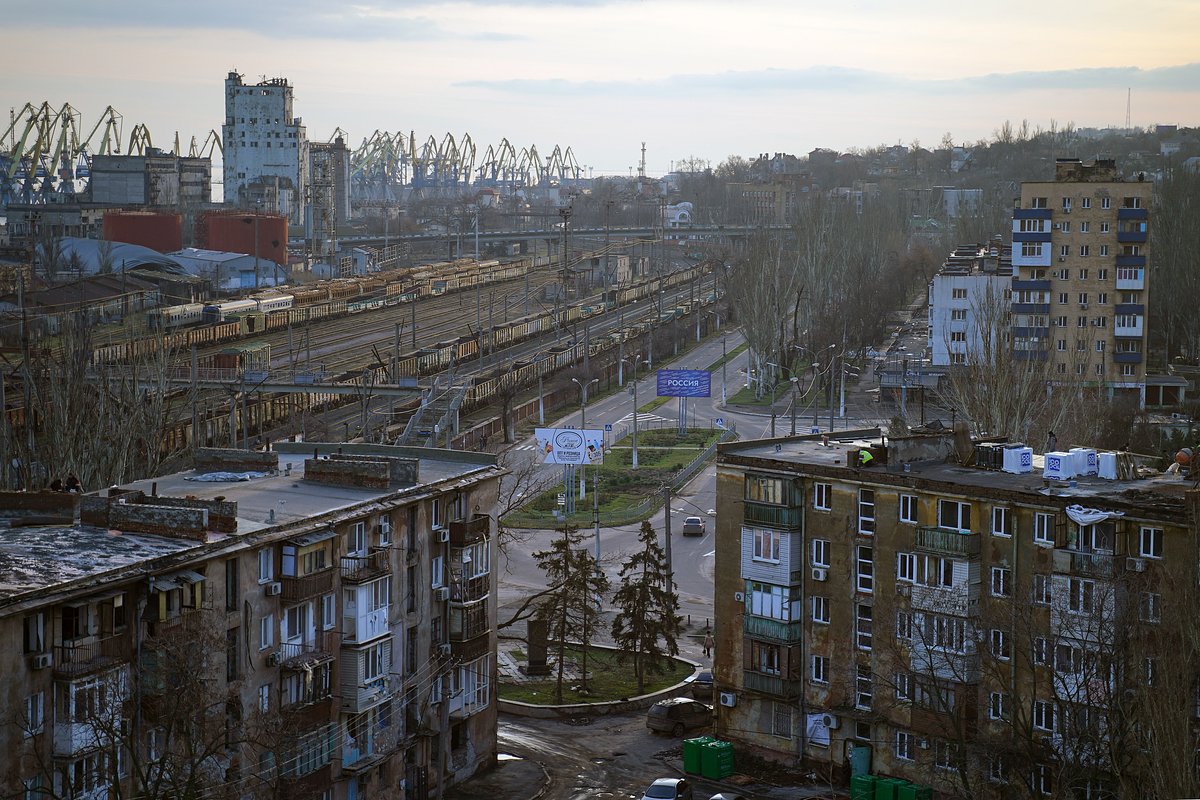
{"x":906,"y":792}
{"x":886,"y":788}
{"x":716,"y":760}
{"x":692,"y":748}
{"x":862,"y":787}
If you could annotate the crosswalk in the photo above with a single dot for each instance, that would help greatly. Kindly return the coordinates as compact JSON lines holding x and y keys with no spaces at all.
{"x":628,"y":419}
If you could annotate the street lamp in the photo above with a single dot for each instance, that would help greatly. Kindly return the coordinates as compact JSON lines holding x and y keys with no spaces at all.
{"x":636,"y":360}
{"x":583,"y":395}
{"x":795,"y":384}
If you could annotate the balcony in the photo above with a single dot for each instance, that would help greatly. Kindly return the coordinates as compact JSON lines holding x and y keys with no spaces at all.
{"x":365,"y":625}
{"x":1131,"y":261}
{"x":465,"y":532}
{"x":297,"y":589}
{"x":188,"y":620}
{"x":773,"y":516}
{"x":358,"y":756}
{"x":470,"y":649}
{"x":773,"y":630}
{"x":470,"y":701}
{"x":1131,"y":282}
{"x":773,"y":685}
{"x":941,"y":541}
{"x":362,"y":696}
{"x":307,"y":653}
{"x":946,"y":665}
{"x":1087,"y":564}
{"x":956,"y":601}
{"x":73,"y":660}
{"x":1030,"y":308}
{"x":468,"y":591}
{"x":1132,"y":236}
{"x":358,"y":569}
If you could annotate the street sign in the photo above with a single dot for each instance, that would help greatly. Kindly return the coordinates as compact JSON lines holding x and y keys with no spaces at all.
{"x":720,"y":422}
{"x":608,"y":427}
{"x":814,"y":429}
{"x":562,"y":498}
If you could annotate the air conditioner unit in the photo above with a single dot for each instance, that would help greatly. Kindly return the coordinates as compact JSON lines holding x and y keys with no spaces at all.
{"x":1062,"y":258}
{"x":739,"y":597}
{"x":820,"y":573}
{"x":1135,"y":564}
{"x":923,"y":744}
{"x":273,"y":659}
{"x":1083,"y":305}
{"x":831,"y":721}
{"x":384,"y":530}
{"x":728,"y":699}
{"x":41,"y":660}
{"x":273,"y":589}
{"x":1058,"y":226}
{"x":442,"y":593}
{"x":444,"y":648}
{"x":443,"y":535}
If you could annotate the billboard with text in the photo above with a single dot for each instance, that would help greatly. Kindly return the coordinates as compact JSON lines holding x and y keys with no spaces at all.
{"x":684,"y":383}
{"x":570,"y":446}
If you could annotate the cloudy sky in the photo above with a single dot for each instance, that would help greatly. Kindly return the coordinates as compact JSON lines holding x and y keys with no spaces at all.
{"x":703,"y":78}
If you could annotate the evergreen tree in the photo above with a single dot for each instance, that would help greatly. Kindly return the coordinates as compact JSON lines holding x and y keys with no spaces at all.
{"x":647,"y":624}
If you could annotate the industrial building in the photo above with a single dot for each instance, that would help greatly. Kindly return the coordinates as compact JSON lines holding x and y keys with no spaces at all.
{"x":972,"y":617}
{"x":265,"y":148}
{"x":154,"y":179}
{"x":313,"y":622}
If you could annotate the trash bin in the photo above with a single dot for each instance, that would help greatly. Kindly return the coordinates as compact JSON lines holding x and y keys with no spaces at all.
{"x":862,"y":787}
{"x":914,"y":791}
{"x":716,"y":760}
{"x":692,"y":749}
{"x":886,"y":788}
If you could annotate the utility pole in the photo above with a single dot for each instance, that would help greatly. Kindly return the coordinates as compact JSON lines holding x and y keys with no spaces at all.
{"x":414,"y":320}
{"x":667,"y":534}
{"x":596,"y":512}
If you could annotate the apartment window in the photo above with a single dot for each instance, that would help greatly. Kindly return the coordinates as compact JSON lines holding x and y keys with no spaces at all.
{"x":822,"y":496}
{"x":411,"y":532}
{"x":385,"y":531}
{"x":866,"y":511}
{"x":1099,"y":369}
{"x":1131,"y":202}
{"x":906,"y":567}
{"x":862,"y":626}
{"x":763,"y":489}
{"x":1065,"y":227}
{"x":35,"y":632}
{"x":1085,"y":202}
{"x":266,"y":565}
{"x":1064,"y":251}
{"x":1081,"y":595}
{"x":233,"y":667}
{"x":1151,"y":609}
{"x":1066,"y":203}
{"x":958,"y":294}
{"x":1150,"y":543}
{"x":1127,"y":371}
{"x":264,"y":698}
{"x":954,"y":515}
{"x":1043,"y":528}
{"x":958,"y":337}
{"x":820,"y":669}
{"x":266,"y":632}
{"x":1102,"y":298}
{"x":1084,"y":250}
{"x":958,"y":315}
{"x":945,"y":755}
{"x":1041,"y":650}
{"x":863,"y":691}
{"x":1150,"y":665}
{"x":1031,"y":249}
{"x":1102,"y":274}
{"x":997,"y":768}
{"x":1037,"y":202}
{"x":865,"y":557}
{"x":904,"y":745}
{"x":767,"y":544}
{"x":903,"y":683}
{"x":773,"y":602}
{"x":1060,"y":322}
{"x":435,"y":514}
{"x":1001,"y":648}
{"x":908,"y":508}
{"x":328,"y":611}
{"x":820,"y":552}
{"x":231,"y":584}
{"x":35,"y":715}
{"x":1085,"y":227}
{"x":1080,"y":345}
{"x":904,"y":626}
{"x":437,"y":572}
{"x":1083,"y":298}
{"x":997,"y":705}
{"x":1042,"y":590}
{"x":1001,"y":582}
{"x":1043,"y":715}
{"x":1105,"y":202}
{"x":781,"y":719}
{"x":1062,"y":298}
{"x":820,"y":610}
{"x":945,"y":633}
{"x":1041,"y":779}
{"x":1002,"y":521}
{"x":1104,"y":250}
{"x":958,"y":358}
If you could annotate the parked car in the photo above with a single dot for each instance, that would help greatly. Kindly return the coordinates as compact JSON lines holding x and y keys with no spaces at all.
{"x":727,"y":796}
{"x":693,"y":526}
{"x":668,"y":789}
{"x":702,"y":685}
{"x":678,"y":714}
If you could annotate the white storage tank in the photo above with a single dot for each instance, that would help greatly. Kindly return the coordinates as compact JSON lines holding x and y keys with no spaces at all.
{"x":1018,"y":459}
{"x":1085,"y":460}
{"x":1106,"y":465}
{"x":1060,"y":466}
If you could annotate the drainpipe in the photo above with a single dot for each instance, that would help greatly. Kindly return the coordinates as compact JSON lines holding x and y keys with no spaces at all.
{"x":805,"y":617}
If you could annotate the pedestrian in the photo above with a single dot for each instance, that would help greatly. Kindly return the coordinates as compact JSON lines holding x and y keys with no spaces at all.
{"x":1051,"y":443}
{"x":708,"y":644}
{"x":73,"y":484}
{"x":56,"y":485}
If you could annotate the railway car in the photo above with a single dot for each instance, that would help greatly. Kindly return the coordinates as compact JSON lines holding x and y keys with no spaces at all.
{"x":171,"y":317}
{"x":221,"y":312}
{"x":274,"y":302}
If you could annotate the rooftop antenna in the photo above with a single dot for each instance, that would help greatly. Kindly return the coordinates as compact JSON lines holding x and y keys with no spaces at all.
{"x":642,"y":163}
{"x":1128,"y":104}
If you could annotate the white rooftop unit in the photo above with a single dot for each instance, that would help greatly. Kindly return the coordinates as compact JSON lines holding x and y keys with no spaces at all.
{"x":1018,"y":459}
{"x":1085,"y":460}
{"x":1059,"y":466}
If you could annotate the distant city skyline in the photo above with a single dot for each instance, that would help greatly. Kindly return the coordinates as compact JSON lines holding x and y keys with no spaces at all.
{"x":701,"y":79}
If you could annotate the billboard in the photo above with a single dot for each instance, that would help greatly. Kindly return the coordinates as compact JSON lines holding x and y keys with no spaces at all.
{"x":684,"y":383}
{"x":570,"y":446}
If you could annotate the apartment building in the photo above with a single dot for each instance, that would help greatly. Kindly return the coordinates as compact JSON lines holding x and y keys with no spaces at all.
{"x":968,"y":304}
{"x":323,"y":629}
{"x":265,"y":148}
{"x":1080,"y":282}
{"x":987,"y":633}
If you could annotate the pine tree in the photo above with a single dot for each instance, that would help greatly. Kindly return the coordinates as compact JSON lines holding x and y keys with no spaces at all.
{"x":647,"y":624}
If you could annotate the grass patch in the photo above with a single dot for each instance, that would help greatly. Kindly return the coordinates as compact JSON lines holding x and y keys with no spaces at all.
{"x":730,"y":356}
{"x":657,"y":402}
{"x":745,"y":397}
{"x":608,"y":680}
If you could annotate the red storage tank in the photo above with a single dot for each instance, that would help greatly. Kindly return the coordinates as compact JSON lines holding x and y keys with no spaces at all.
{"x":157,"y":230}
{"x":233,"y":232}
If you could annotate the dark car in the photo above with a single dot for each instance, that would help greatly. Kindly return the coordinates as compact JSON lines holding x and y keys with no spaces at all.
{"x":702,"y":685}
{"x":693,"y":526}
{"x":678,"y":714}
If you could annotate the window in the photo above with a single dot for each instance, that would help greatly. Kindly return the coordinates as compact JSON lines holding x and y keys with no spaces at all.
{"x":904,"y":746}
{"x":1042,"y":590}
{"x":1066,"y":203}
{"x":231,"y":584}
{"x":328,"y":612}
{"x":822,"y":493}
{"x":1150,"y":666}
{"x":1001,"y":648}
{"x":945,"y":633}
{"x":866,"y":511}
{"x":1105,"y":202}
{"x":1100,"y":346}
{"x":1151,"y":607}
{"x":1103,"y":250}
{"x":866,"y":568}
{"x":958,"y":314}
{"x":1127,"y":370}
{"x":820,"y":552}
{"x":903,"y":682}
{"x":1043,"y":715}
{"x":1101,"y":322}
{"x":1037,"y":202}
{"x":958,"y":294}
{"x":958,"y":336}
{"x":1041,"y":650}
{"x":35,"y":715}
{"x":764,"y":489}
{"x":264,"y":698}
{"x":906,"y":567}
{"x":862,"y":626}
{"x":998,"y":768}
{"x":1084,"y":250}
{"x":1043,"y":528}
{"x":358,"y":540}
{"x":998,"y":705}
{"x":1083,"y":298}
{"x":1064,"y":250}
{"x":820,"y":610}
{"x":1065,"y":227}
{"x":435,"y":514}
{"x":954,"y":515}
{"x":1102,"y":274}
{"x":1001,"y":582}
{"x":266,"y":565}
{"x":437,"y":572}
{"x":1150,"y":543}
{"x":1082,"y":595}
{"x":904,"y":626}
{"x":781,"y":719}
{"x":945,"y":755}
{"x":1041,"y":778}
{"x":863,"y":693}
{"x":820,"y":669}
{"x":1085,"y":227}
{"x":385,"y":531}
{"x":1060,"y":322}
{"x":1085,"y":202}
{"x":35,"y":632}
{"x":1081,"y":322}
{"x":764,"y":658}
{"x":908,"y":508}
{"x":767,"y":543}
{"x":774,"y":602}
{"x":1102,"y":298}
{"x":1002,"y":521}
{"x":266,"y":632}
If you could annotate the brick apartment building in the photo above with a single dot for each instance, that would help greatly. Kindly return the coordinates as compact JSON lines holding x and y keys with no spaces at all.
{"x":326,"y":630}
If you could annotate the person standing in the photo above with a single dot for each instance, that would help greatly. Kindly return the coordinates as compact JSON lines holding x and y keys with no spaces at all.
{"x":708,"y":644}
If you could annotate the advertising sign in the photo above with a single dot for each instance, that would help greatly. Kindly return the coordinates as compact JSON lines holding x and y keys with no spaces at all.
{"x":570,"y":446}
{"x":684,"y":383}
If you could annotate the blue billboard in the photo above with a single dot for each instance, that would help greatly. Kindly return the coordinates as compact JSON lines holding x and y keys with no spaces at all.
{"x":684,"y":383}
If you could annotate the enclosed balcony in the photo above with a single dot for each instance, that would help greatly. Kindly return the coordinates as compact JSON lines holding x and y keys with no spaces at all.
{"x":773,"y":630}
{"x":772,"y":515}
{"x":773,"y":685}
{"x":944,"y":542}
{"x":466,"y":532}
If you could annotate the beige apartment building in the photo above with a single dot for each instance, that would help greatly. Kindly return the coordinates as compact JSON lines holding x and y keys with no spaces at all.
{"x":324,"y":628}
{"x":1080,"y":282}
{"x":935,"y":618}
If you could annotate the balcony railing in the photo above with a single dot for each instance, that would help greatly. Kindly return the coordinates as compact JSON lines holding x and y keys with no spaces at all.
{"x":298,"y":655}
{"x":467,"y":591}
{"x":299,"y":588}
{"x":773,"y":685}
{"x":465,"y":532}
{"x":1094,"y":565}
{"x":71,"y":660}
{"x":772,"y":516}
{"x":357,"y":569}
{"x":470,"y":649}
{"x":948,"y":543}
{"x":773,"y":630}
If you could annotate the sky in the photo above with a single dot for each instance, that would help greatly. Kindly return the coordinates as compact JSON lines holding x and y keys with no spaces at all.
{"x":703,"y":78}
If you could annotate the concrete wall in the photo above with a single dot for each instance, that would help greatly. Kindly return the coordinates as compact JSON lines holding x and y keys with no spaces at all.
{"x":215,"y":459}
{"x":179,"y":523}
{"x":346,"y":472}
{"x":17,"y":505}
